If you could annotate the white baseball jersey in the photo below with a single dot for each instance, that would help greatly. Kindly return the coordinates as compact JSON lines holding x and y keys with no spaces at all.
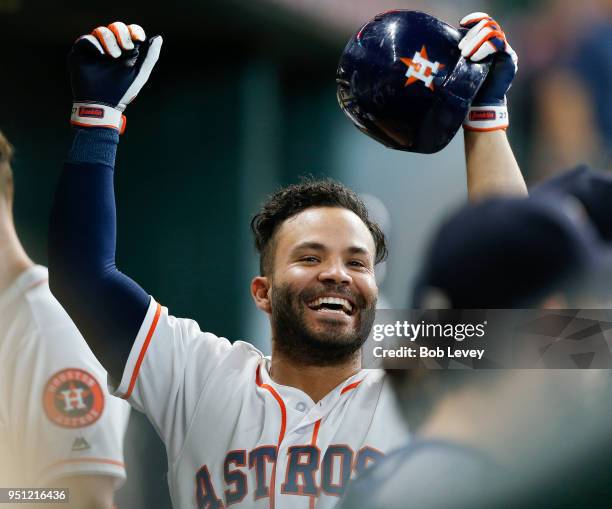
{"x":57,"y":418}
{"x":235,"y":437}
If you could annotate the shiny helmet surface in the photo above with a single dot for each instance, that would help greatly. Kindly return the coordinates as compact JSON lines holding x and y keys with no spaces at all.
{"x":402,"y":80}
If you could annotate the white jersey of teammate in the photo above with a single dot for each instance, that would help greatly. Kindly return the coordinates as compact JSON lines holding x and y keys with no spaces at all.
{"x":57,"y":418}
{"x":234,"y":437}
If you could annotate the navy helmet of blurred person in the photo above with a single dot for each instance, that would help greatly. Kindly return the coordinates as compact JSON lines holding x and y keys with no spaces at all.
{"x":509,"y":253}
{"x":502,"y":253}
{"x":592,"y":188}
{"x":495,"y":254}
{"x":593,"y":191}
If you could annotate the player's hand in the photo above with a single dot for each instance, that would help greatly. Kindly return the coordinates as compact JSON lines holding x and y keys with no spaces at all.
{"x":107,"y":70}
{"x":485,"y":38}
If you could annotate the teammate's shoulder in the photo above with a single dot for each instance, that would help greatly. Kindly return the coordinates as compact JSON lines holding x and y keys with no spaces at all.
{"x":46,"y":312}
{"x":23,"y":303}
{"x":24,"y":285}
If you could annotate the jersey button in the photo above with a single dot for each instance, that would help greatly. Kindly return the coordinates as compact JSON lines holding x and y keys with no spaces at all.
{"x":301,"y":406}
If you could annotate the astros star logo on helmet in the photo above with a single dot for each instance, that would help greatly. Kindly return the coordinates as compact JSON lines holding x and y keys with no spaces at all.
{"x":420,"y":68}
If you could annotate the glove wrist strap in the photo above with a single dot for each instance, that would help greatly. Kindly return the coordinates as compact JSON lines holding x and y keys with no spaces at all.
{"x":97,"y":115}
{"x":486,"y":118}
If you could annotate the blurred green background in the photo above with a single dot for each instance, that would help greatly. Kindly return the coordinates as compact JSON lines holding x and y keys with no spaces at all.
{"x":242,"y":101}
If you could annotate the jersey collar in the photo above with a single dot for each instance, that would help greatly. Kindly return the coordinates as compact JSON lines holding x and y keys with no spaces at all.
{"x":288,"y":393}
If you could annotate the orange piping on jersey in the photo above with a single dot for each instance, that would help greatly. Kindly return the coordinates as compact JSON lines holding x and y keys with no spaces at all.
{"x":143,"y":351}
{"x":280,"y":402}
{"x":281,"y":435}
{"x":38,"y":283}
{"x":315,"y":435}
{"x":350,"y":387}
{"x":87,"y":460}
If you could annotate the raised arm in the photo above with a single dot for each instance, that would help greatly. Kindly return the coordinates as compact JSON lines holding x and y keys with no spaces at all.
{"x":107,"y":70}
{"x":491,"y":166}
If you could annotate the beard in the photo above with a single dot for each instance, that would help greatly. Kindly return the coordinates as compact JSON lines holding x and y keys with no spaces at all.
{"x":333,"y":345}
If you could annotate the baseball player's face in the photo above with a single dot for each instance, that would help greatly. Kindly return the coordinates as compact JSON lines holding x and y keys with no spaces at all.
{"x":323,"y":291}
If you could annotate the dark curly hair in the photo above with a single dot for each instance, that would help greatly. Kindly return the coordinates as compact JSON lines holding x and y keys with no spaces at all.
{"x":291,"y":200}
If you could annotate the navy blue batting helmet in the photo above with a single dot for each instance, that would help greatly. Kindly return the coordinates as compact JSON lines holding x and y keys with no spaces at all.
{"x":402,"y":80}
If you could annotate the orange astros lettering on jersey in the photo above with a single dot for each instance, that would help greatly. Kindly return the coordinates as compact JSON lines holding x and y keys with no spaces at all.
{"x":73,"y":398}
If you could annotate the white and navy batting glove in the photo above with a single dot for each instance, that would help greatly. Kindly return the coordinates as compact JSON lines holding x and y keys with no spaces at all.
{"x":485,"y":37}
{"x":107,"y":70}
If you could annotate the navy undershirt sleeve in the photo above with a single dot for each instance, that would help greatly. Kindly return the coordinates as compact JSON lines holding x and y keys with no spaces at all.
{"x":106,"y":305}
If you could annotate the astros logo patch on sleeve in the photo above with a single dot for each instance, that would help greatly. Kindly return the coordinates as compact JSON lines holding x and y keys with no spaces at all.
{"x":73,"y":398}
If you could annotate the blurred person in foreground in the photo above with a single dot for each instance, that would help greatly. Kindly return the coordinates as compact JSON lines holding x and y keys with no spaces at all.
{"x":58,"y":424}
{"x":481,"y":435}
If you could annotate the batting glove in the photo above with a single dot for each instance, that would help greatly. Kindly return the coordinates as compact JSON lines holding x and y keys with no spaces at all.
{"x":485,"y":37}
{"x":107,"y":70}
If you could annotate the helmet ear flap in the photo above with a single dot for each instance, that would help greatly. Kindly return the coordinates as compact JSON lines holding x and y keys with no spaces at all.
{"x":450,"y":107}
{"x":466,"y":79}
{"x":402,"y":81}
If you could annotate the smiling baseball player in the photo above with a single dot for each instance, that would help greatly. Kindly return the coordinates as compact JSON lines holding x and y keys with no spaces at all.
{"x":239,"y":428}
